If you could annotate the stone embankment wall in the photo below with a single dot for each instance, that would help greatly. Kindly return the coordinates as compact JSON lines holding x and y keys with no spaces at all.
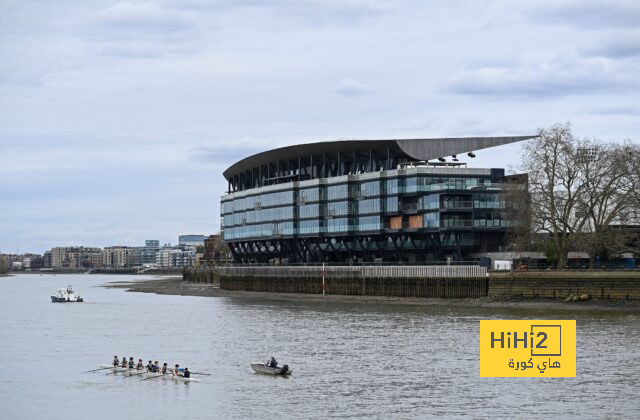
{"x":407,"y":281}
{"x":562,"y":284}
{"x":428,"y":282}
{"x":204,"y":276}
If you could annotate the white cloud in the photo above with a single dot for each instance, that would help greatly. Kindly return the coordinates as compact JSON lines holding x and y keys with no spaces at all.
{"x":349,"y":87}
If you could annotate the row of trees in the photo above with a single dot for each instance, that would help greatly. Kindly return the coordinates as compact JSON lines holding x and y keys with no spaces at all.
{"x":579,"y":193}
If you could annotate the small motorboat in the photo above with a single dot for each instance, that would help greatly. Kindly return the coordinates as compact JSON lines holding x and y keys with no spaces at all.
{"x":268,"y":370}
{"x":66,"y":295}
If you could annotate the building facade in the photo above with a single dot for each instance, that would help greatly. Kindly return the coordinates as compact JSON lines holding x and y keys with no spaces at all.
{"x":191,"y":240}
{"x":118,"y":256}
{"x":176,"y":257}
{"x":365,"y":201}
{"x":76,"y":257}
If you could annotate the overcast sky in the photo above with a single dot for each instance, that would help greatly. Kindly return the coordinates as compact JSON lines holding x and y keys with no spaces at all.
{"x":118,"y":118}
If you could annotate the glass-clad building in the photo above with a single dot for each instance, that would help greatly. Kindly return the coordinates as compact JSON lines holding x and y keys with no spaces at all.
{"x":365,"y":201}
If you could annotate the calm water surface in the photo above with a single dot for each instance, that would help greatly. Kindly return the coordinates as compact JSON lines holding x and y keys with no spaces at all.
{"x":364,"y":361}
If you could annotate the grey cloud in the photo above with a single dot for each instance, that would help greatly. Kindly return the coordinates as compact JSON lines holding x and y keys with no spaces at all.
{"x":545,"y":79}
{"x":587,"y":14}
{"x":615,"y":111}
{"x":625,"y":44}
{"x":319,"y":11}
{"x":144,"y":17}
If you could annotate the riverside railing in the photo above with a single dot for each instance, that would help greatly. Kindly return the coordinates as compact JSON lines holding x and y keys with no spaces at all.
{"x":442,"y":271}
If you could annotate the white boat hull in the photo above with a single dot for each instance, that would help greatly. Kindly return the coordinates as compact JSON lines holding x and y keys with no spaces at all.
{"x":145,"y":374}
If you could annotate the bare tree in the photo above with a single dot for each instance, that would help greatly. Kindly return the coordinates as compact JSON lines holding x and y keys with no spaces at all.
{"x":582,"y":191}
{"x":607,"y":194}
{"x":517,"y":209}
{"x":555,"y":186}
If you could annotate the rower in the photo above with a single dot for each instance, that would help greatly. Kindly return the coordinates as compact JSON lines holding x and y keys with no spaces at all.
{"x":132,"y":363}
{"x":150,"y":366}
{"x":124,"y":362}
{"x":156,"y":366}
{"x":164,"y":369}
{"x":139,"y":366}
{"x":186,"y":373}
{"x":116,"y":361}
{"x":176,"y":370}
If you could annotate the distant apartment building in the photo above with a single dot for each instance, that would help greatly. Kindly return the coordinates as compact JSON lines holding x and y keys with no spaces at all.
{"x":175,"y":257}
{"x":118,"y":256}
{"x":191,"y":240}
{"x":149,"y":252}
{"x":76,"y":257}
{"x":46,"y":259}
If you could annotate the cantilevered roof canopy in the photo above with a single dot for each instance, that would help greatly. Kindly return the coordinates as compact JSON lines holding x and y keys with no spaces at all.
{"x":409,"y":149}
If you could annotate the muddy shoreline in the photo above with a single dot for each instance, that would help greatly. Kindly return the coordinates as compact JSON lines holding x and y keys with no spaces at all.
{"x":176,"y":286}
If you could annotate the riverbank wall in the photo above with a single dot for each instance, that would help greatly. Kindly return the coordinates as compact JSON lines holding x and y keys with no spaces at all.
{"x":398,"y":281}
{"x":448,"y":282}
{"x":599,"y":284}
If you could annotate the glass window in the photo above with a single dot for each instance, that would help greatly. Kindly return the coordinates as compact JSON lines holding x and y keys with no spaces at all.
{"x":392,"y":186}
{"x":339,"y":208}
{"x":369,"y":206}
{"x":337,"y":192}
{"x":338,"y":225}
{"x":430,"y":202}
{"x":367,"y":223}
{"x":309,"y":226}
{"x":307,"y":195}
{"x":391,"y":205}
{"x":309,"y":210}
{"x":432,"y":220}
{"x":411,"y":184}
{"x":370,"y":189}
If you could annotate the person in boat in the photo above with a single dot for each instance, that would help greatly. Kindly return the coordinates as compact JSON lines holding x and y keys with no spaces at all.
{"x":132,"y":363}
{"x":156,"y":366}
{"x":164,"y":369}
{"x":116,"y":361}
{"x":186,"y":373}
{"x":272,"y":363}
{"x":150,"y":366}
{"x":124,"y":362}
{"x":176,"y":371}
{"x":140,"y":365}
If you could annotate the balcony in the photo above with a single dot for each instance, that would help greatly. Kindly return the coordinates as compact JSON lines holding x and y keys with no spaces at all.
{"x":456,"y":205}
{"x":456,"y":223}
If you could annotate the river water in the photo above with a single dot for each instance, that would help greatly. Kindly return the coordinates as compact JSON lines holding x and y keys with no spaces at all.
{"x":363,"y":361}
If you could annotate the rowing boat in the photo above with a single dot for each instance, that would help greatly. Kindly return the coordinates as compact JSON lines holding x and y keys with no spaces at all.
{"x":263,"y":368}
{"x":145,"y":374}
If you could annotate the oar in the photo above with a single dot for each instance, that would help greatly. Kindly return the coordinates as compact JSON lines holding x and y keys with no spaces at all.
{"x":200,"y":373}
{"x":95,"y":370}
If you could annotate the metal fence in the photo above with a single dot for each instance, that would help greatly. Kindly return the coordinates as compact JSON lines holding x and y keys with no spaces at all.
{"x":367,"y":272}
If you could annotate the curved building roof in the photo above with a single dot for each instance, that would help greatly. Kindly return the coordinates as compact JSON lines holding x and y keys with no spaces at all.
{"x":411,"y":149}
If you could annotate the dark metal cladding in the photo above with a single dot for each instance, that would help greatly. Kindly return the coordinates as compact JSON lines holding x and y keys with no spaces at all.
{"x":427,"y":149}
{"x":410,"y":149}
